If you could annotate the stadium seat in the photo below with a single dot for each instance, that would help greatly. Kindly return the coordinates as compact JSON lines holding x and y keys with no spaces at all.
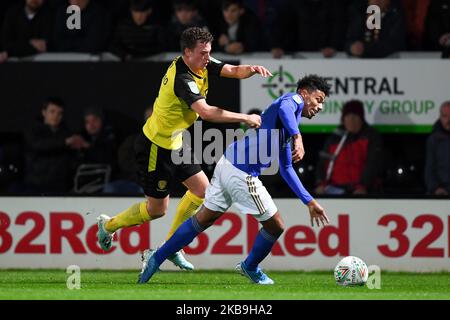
{"x":91,"y":178}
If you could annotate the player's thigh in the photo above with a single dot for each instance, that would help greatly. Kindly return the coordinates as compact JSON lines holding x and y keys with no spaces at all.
{"x":154,"y":168}
{"x":197,"y":184}
{"x":217,"y":198}
{"x":251,"y":197}
{"x":189,"y":171}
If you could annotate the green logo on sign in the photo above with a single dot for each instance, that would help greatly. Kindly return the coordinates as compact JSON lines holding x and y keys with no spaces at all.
{"x":281,"y":82}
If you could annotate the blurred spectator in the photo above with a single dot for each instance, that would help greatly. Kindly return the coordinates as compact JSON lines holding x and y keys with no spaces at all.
{"x":127,"y":183}
{"x":437,"y":27}
{"x":297,"y":19}
{"x":211,"y":10}
{"x":351,"y":159}
{"x":48,"y":161}
{"x":101,"y":142}
{"x":240,"y":30}
{"x":415,"y":14}
{"x":97,"y":160}
{"x":266,"y":11}
{"x":26,"y":29}
{"x":91,"y":37}
{"x":4,"y":7}
{"x":437,"y":165}
{"x":118,"y":9}
{"x":139,"y":35}
{"x":55,"y":4}
{"x":376,"y":43}
{"x":186,"y":16}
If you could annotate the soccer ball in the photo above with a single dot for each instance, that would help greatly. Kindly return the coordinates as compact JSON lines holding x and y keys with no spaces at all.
{"x":351,"y":271}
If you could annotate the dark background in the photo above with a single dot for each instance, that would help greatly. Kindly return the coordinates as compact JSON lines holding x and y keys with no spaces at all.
{"x":123,"y":90}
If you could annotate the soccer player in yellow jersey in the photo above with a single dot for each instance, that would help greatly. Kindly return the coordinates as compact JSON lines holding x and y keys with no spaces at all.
{"x":181,"y":99}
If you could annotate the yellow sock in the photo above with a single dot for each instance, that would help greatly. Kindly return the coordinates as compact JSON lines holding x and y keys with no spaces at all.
{"x":134,"y":215}
{"x":186,"y":208}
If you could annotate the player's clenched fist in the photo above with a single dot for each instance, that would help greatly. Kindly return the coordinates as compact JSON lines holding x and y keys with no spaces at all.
{"x":253,"y":121}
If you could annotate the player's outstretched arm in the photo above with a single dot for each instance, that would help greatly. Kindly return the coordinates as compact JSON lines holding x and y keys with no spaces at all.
{"x":316,"y":212}
{"x":288,"y":174}
{"x":216,"y":114}
{"x":243,"y":71}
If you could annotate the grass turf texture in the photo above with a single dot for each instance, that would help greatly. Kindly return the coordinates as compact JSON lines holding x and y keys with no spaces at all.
{"x":217,"y":284}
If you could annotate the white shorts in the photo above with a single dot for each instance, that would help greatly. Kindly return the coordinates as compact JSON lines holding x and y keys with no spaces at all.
{"x":229,"y":185}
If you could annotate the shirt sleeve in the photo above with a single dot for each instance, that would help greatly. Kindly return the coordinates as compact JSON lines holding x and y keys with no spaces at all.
{"x":287,"y":116}
{"x":289,"y":175}
{"x":215,"y":66}
{"x":186,"y":88}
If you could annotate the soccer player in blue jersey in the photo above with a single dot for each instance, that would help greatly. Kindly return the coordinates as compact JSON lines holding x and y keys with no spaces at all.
{"x":235,"y":180}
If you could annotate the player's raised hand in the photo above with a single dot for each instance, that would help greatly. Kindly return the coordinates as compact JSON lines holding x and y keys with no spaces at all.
{"x":253,"y":121}
{"x":317,"y":214}
{"x":261,"y":70}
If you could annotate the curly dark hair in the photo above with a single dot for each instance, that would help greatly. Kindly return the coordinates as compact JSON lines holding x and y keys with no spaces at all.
{"x":190,"y":36}
{"x":314,"y":82}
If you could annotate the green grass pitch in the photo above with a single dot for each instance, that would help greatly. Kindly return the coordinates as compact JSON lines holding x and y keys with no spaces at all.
{"x":215,"y":285}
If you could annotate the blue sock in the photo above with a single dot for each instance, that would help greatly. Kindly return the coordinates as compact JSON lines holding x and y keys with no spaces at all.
{"x":261,"y":248}
{"x":181,"y":238}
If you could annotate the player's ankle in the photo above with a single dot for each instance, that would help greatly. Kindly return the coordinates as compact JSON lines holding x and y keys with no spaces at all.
{"x":109,"y":227}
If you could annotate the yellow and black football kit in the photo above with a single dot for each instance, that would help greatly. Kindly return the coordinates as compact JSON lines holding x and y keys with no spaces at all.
{"x":162,"y":133}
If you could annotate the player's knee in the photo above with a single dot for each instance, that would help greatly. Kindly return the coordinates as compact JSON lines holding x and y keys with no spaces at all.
{"x":281,"y":227}
{"x":156,"y":211}
{"x":277,"y":228}
{"x":156,"y":214}
{"x":206,"y":217}
{"x":204,"y":224}
{"x":199,"y":192}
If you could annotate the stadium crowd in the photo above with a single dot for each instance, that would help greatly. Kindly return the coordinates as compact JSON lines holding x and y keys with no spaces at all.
{"x":140,"y":28}
{"x":353,"y":160}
